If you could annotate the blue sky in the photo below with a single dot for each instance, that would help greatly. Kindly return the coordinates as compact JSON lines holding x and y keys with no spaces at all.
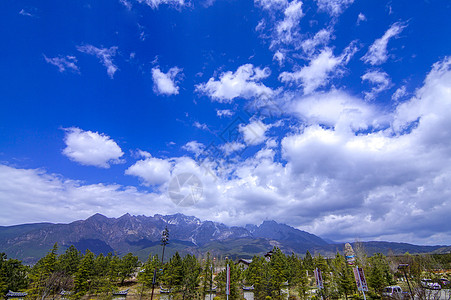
{"x":328,"y":115}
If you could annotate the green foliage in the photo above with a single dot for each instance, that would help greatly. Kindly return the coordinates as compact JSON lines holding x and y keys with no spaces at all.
{"x":378,"y":275}
{"x":172,"y":274}
{"x":343,"y":278}
{"x":84,"y":274}
{"x":146,"y":274}
{"x":127,"y":266}
{"x":13,"y":275}
{"x":207,"y":275}
{"x":68,"y":262}
{"x":235,"y":280}
{"x":45,"y":278}
{"x":190,"y":278}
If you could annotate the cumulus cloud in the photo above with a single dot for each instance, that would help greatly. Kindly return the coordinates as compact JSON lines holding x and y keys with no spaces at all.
{"x":194,"y":147}
{"x":377,"y":53}
{"x":68,"y":62}
{"x":380,"y":81}
{"x":254,"y":132}
{"x":243,"y":83}
{"x":105,"y":55}
{"x":334,"y":7}
{"x":232,"y":147}
{"x":91,"y":148}
{"x":44,"y":197}
{"x":339,"y":110}
{"x":320,"y":69}
{"x":153,"y":171}
{"x":165,"y":83}
{"x":393,"y":180}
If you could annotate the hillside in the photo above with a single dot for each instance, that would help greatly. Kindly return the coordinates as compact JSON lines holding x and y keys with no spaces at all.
{"x":140,"y":235}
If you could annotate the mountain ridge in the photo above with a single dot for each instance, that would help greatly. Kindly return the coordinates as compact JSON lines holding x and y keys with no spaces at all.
{"x":188,"y":234}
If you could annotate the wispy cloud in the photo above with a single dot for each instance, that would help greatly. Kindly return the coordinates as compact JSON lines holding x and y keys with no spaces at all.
{"x":380,"y":81}
{"x":68,"y":62}
{"x":377,"y":53}
{"x":105,"y":55}
{"x":320,"y":69}
{"x":155,"y":3}
{"x":334,"y":7}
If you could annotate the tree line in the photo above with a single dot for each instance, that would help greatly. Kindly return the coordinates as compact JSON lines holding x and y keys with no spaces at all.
{"x":191,"y":277}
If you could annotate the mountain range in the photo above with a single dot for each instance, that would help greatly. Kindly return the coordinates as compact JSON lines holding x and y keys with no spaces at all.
{"x":141,"y":236}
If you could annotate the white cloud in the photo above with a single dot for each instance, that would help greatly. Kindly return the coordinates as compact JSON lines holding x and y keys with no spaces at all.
{"x":393,"y":180}
{"x":377,"y":53}
{"x":23,"y":12}
{"x":322,"y":37}
{"x":201,"y":126}
{"x":244,"y":83}
{"x":155,"y":3}
{"x":165,"y":83}
{"x":286,"y":29}
{"x":64,"y":63}
{"x":230,"y":148}
{"x":126,"y":3}
{"x":105,"y":55}
{"x":44,"y":197}
{"x":399,"y":93}
{"x":334,"y":7}
{"x":271,"y":4}
{"x":339,"y":110}
{"x":91,"y":148}
{"x":360,"y":18}
{"x":194,"y":147}
{"x":224,"y":113}
{"x":380,"y":80}
{"x":153,"y":171}
{"x":279,"y":57}
{"x":320,"y":69}
{"x":254,"y":132}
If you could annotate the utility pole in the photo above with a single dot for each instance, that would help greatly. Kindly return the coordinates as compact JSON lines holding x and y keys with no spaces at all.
{"x":164,"y":242}
{"x":404,"y":267}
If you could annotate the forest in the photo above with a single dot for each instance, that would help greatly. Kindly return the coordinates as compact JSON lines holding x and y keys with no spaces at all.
{"x":90,"y":276}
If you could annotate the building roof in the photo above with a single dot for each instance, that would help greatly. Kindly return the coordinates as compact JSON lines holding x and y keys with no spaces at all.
{"x":124,"y":292}
{"x":16,"y":294}
{"x":245,"y":261}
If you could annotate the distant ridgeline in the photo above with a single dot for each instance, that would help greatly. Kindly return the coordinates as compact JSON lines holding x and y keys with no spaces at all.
{"x":140,"y":235}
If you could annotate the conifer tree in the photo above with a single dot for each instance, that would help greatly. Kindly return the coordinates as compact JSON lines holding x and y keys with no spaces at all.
{"x":191,"y":270}
{"x":84,"y":274}
{"x":207,"y":275}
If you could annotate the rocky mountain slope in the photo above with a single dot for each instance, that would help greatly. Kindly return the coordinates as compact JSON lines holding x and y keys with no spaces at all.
{"x":140,"y":235}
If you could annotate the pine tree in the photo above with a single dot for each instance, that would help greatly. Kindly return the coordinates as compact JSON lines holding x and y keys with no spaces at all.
{"x":68,"y":261}
{"x":379,"y":274}
{"x":308,"y":262}
{"x":207,"y":275}
{"x":235,"y":280}
{"x":279,"y":272}
{"x":173,"y":272}
{"x":13,"y":275}
{"x":343,"y":276}
{"x":84,"y":274}
{"x":127,"y":266}
{"x":44,"y":276}
{"x":191,"y":270}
